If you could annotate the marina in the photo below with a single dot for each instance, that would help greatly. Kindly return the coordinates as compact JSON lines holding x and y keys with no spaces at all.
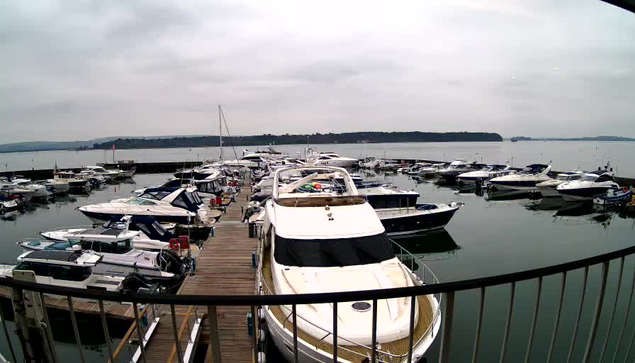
{"x":225,"y":259}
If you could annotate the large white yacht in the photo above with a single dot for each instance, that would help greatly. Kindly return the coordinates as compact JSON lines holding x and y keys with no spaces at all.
{"x":523,"y":181}
{"x":318,"y":239}
{"x":548,"y":188}
{"x":456,"y":167}
{"x":172,"y":205}
{"x":587,"y":187}
{"x":484,"y":174}
{"x":333,"y":159}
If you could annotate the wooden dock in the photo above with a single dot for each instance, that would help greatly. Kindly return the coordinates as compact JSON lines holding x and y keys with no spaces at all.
{"x":224,"y":267}
{"x":114,"y":310}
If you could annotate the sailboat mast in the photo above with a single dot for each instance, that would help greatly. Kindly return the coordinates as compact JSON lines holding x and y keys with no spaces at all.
{"x":220,"y":132}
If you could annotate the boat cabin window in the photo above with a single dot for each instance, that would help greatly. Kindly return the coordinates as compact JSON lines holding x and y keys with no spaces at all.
{"x":332,"y":252}
{"x":324,"y":158}
{"x":187,"y":201}
{"x":58,"y":272}
{"x":589,"y":177}
{"x":140,"y":201}
{"x":533,"y":169}
{"x":118,"y":247}
{"x":604,"y":178}
{"x":155,"y":194}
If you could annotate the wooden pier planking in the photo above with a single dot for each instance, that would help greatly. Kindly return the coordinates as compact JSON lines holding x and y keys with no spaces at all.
{"x":224,"y":267}
{"x":112,"y":310}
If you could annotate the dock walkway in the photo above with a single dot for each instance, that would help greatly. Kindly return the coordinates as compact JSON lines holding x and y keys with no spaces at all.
{"x":224,"y":267}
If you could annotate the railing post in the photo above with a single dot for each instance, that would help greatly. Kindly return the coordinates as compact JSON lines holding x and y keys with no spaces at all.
{"x":214,"y":339}
{"x":446,"y":335}
{"x":628,"y":313}
{"x":374,"y":333}
{"x":295,"y":333}
{"x":577,"y":322}
{"x":508,"y":322}
{"x":104,"y":323}
{"x":477,"y":337}
{"x":139,"y":331}
{"x":78,"y":340}
{"x":558,"y":314}
{"x":335,"y":332}
{"x":533,"y":321}
{"x":617,"y":297}
{"x":177,"y":337}
{"x":596,"y":315}
{"x":413,"y":306}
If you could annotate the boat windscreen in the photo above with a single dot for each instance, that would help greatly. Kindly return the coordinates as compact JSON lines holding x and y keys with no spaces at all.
{"x":332,"y":252}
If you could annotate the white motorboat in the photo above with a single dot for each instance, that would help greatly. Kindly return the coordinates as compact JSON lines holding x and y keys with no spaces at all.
{"x":64,"y":268}
{"x":382,"y":195}
{"x":486,"y":173}
{"x":76,"y":184}
{"x":320,"y":241}
{"x":332,"y":159}
{"x":100,"y":170}
{"x":120,"y":258}
{"x":417,"y":218}
{"x":415,"y":168}
{"x":144,"y":231}
{"x":20,"y":185}
{"x":548,"y":188}
{"x":523,"y":181}
{"x":590,"y":185}
{"x":431,"y":171}
{"x":57,"y":186}
{"x":171,"y":205}
{"x":456,"y":167}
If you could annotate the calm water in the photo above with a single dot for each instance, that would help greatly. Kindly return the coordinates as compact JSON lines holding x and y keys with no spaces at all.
{"x":486,"y":237}
{"x":564,"y":155}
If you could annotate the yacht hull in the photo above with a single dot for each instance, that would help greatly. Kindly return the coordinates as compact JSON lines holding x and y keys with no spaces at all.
{"x":576,"y":195}
{"x":524,"y":186}
{"x":399,"y":222}
{"x":100,"y":217}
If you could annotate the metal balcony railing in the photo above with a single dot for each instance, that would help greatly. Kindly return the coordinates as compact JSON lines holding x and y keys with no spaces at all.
{"x":156,"y":305}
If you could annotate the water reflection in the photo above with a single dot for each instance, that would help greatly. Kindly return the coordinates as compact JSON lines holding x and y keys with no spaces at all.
{"x":438,"y":245}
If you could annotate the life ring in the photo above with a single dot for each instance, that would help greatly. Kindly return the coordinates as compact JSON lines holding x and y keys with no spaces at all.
{"x":174,"y":244}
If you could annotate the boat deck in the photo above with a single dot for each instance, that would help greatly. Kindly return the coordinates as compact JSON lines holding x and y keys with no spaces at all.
{"x":357,"y":354}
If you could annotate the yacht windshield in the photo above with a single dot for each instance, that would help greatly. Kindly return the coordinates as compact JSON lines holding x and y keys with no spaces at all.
{"x":139,"y":201}
{"x":589,"y":177}
{"x":532,"y":169}
{"x":332,"y":252}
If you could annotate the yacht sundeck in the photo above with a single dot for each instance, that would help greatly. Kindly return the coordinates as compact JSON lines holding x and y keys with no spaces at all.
{"x":588,"y":186}
{"x":180,"y":205}
{"x":523,"y":181}
{"x":548,"y":188}
{"x":319,"y":240}
{"x":486,"y":173}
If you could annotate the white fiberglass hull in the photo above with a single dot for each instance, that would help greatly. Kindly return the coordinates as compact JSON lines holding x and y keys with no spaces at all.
{"x":139,"y":242}
{"x":283,"y":338}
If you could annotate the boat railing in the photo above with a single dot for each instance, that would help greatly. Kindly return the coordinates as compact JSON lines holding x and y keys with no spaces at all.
{"x":597,"y":331}
{"x":327,"y":333}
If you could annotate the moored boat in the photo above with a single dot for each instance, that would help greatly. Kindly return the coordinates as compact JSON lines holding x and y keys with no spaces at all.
{"x":334,"y":238}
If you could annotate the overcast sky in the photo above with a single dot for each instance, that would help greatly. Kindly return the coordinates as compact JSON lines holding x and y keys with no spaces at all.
{"x":74,"y":70}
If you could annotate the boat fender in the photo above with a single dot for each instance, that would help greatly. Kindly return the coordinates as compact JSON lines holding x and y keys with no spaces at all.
{"x":261,"y":335}
{"x":261,"y":357}
{"x":261,"y":315}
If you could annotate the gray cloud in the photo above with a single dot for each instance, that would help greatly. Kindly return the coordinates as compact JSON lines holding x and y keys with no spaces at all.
{"x":96,"y":68}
